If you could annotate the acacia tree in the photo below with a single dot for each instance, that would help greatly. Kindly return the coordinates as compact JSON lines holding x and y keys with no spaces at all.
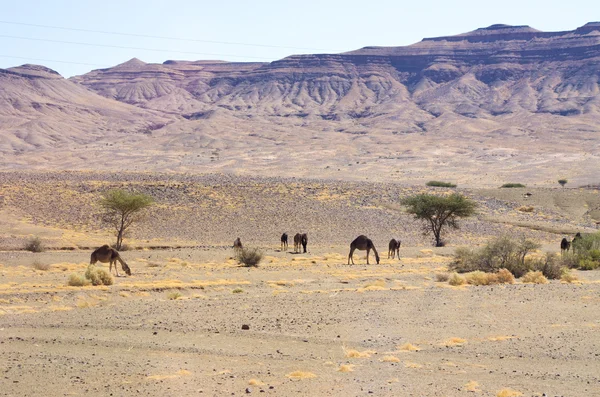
{"x":439,"y":211}
{"x":122,"y":209}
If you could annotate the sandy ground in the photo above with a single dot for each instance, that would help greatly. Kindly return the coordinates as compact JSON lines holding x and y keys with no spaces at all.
{"x":316,"y":326}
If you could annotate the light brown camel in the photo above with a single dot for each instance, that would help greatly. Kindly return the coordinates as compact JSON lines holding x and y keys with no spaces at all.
{"x":362,"y":243}
{"x":394,"y":248}
{"x":237,"y":244}
{"x":107,"y":254}
{"x":297,"y":242}
{"x":284,"y":242}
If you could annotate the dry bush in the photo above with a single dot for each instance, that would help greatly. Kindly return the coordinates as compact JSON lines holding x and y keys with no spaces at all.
{"x":40,"y":266}
{"x":34,"y":244}
{"x":552,"y":268}
{"x":442,"y":277}
{"x":301,"y":375}
{"x":98,"y":276}
{"x":76,"y":280}
{"x":237,"y":291}
{"x":505,"y":277}
{"x":534,"y":278}
{"x":525,"y":208}
{"x":481,"y":278}
{"x":567,"y":276}
{"x":249,"y":257}
{"x":174,"y":295}
{"x":346,"y":368}
{"x":456,"y":280}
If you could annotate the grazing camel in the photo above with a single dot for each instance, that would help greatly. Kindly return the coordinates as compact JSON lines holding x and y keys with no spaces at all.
{"x":564,"y":246}
{"x":284,"y":241}
{"x":297,"y":242}
{"x":304,"y":241}
{"x":394,"y":248}
{"x":237,"y":244}
{"x":107,"y":254}
{"x":362,"y":243}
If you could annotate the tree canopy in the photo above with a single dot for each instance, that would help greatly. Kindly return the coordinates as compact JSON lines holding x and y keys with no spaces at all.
{"x":439,"y":211}
{"x":122,"y":209}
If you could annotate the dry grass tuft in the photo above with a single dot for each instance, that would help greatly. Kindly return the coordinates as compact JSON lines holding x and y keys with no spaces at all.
{"x":409,"y":364}
{"x":40,"y":266}
{"x":351,"y":353}
{"x":237,"y":291}
{"x":508,"y":393}
{"x":442,"y":277}
{"x":255,"y":382}
{"x":98,"y":276}
{"x":472,"y":386}
{"x":174,"y":295}
{"x":525,"y":208}
{"x":76,"y":280}
{"x":456,"y":280}
{"x":568,"y":277}
{"x":504,"y":276}
{"x":390,"y":359}
{"x":481,"y":278}
{"x":500,"y":338}
{"x":534,"y":278}
{"x":301,"y":375}
{"x":409,"y":347}
{"x":455,"y":342}
{"x":346,"y":368}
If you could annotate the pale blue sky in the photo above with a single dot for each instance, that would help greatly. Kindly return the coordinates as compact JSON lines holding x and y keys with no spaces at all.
{"x":301,"y":27}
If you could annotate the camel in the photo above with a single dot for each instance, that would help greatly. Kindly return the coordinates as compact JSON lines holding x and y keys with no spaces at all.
{"x":362,"y":243}
{"x":107,"y":254}
{"x":304,"y":241}
{"x":237,"y":244}
{"x":394,"y":248}
{"x":297,"y":242}
{"x":284,"y":241}
{"x":564,"y":246}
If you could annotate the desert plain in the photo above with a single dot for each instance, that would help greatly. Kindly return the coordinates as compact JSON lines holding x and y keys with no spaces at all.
{"x":191,"y":321}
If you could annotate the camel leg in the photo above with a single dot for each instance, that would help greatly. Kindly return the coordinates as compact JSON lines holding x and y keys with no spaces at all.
{"x":350,"y":256}
{"x":113,"y":263}
{"x":368,"y":251}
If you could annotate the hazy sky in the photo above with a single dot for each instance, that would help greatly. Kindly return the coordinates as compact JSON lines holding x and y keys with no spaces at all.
{"x":270,"y":29}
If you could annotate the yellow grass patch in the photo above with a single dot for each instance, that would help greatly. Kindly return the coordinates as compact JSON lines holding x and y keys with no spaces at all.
{"x":409,"y":347}
{"x":390,"y":359}
{"x":124,"y":294}
{"x":508,"y":393}
{"x":500,"y":338}
{"x":408,"y":364}
{"x":60,"y":308}
{"x":454,"y":342}
{"x":255,"y":382}
{"x":351,"y":353}
{"x":472,"y":386}
{"x":534,"y":278}
{"x":346,"y":368}
{"x":301,"y":375}
{"x":371,"y":288}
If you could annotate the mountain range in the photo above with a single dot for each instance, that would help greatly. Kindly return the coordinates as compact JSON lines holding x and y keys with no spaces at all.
{"x":479,"y":108}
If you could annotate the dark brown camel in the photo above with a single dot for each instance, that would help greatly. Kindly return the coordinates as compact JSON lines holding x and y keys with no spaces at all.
{"x":394,"y":248}
{"x":297,"y":242}
{"x":304,"y":241}
{"x":107,"y":254}
{"x":284,"y":242}
{"x":564,"y":246}
{"x":237,"y":244}
{"x":362,"y":243}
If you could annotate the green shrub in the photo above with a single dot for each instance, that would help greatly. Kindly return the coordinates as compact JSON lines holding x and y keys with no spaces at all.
{"x":509,"y":185}
{"x":440,"y":184}
{"x":76,"y":280}
{"x":588,"y":264}
{"x":249,"y":257}
{"x":594,"y":254}
{"x":34,"y":244}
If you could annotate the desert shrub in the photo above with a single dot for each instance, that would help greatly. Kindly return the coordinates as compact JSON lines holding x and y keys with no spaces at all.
{"x":504,"y":276}
{"x":34,"y":244}
{"x":588,"y":264}
{"x":567,"y":276}
{"x":76,"y":280}
{"x":440,"y":184}
{"x":249,"y":257}
{"x":442,"y":277}
{"x":174,"y":295}
{"x":98,"y":276}
{"x":456,"y":280}
{"x":481,"y":278}
{"x":594,"y":254}
{"x":237,"y":291}
{"x":534,"y":277}
{"x":40,"y":266}
{"x":465,"y":260}
{"x":552,"y":267}
{"x":511,"y":185}
{"x":525,"y":208}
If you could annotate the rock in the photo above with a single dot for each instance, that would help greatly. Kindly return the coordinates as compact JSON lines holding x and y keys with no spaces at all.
{"x":245,"y":327}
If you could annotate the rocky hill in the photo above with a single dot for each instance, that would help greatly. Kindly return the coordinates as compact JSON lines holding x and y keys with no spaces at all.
{"x":506,"y":100}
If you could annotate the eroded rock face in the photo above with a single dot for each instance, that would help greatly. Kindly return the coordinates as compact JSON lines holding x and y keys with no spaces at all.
{"x":500,"y":69}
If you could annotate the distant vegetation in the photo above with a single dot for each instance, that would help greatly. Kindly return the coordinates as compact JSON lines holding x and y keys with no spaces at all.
{"x":436,"y":212}
{"x":562,"y":182}
{"x":513,"y":185}
{"x":249,"y":257}
{"x":122,"y":209}
{"x":440,"y":184}
{"x":34,"y":244}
